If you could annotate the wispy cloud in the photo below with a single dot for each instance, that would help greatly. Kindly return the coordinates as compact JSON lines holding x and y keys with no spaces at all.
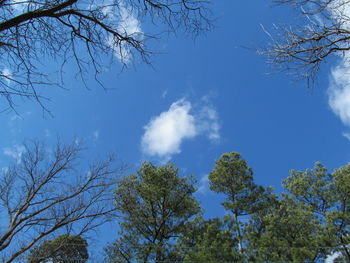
{"x":203,"y":187}
{"x":208,"y":122}
{"x":96,"y":135}
{"x":106,"y":8}
{"x":165,"y":92}
{"x":128,"y":26}
{"x":47,"y":133}
{"x":14,"y":124}
{"x":16,"y":152}
{"x":7,"y":74}
{"x":339,"y":88}
{"x":77,"y":141}
{"x":165,"y":133}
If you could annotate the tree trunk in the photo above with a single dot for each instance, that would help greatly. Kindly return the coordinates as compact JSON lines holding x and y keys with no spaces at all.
{"x":159,"y":256}
{"x":239,"y":234}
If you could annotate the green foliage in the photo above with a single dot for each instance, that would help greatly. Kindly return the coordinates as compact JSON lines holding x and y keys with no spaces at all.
{"x":208,"y":241}
{"x":234,"y":178}
{"x":155,"y":205}
{"x":309,"y":223}
{"x":306,"y":224}
{"x":312,"y":187}
{"x":291,"y":233}
{"x":327,"y":195}
{"x":63,"y":249}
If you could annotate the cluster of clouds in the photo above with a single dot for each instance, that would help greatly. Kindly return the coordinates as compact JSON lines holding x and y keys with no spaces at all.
{"x":165,"y":133}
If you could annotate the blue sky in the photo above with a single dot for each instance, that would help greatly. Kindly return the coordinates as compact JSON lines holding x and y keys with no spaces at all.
{"x":199,"y":99}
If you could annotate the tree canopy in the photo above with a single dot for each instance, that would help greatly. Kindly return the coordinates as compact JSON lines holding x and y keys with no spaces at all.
{"x":63,"y":249}
{"x":160,"y":219}
{"x":155,"y":204}
{"x":208,"y":241}
{"x":48,"y":192}
{"x":234,"y":178}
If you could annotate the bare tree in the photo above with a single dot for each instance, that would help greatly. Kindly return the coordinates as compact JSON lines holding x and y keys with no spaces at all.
{"x":323,"y":29}
{"x":83,"y":31}
{"x":48,"y":194}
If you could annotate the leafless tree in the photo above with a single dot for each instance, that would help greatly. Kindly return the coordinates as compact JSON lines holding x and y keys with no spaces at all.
{"x":322,"y":30}
{"x":47,"y":193}
{"x":82,"y":31}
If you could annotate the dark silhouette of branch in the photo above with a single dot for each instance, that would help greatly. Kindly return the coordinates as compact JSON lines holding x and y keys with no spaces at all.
{"x":83,"y":32}
{"x":47,"y":192}
{"x":324,"y":30}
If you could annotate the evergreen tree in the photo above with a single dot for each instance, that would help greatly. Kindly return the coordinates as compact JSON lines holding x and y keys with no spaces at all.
{"x":208,"y":241}
{"x":234,"y":178}
{"x":63,"y":249}
{"x":327,"y":195}
{"x":155,"y":205}
{"x":290,"y":232}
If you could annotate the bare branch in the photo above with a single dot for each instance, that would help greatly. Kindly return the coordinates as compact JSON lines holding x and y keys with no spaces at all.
{"x":324,"y":30}
{"x":32,"y":32}
{"x":46,"y":192}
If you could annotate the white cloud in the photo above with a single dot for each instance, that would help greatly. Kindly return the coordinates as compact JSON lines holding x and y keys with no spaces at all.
{"x":208,"y":122}
{"x":339,"y":91}
{"x":346,"y":135}
{"x":165,"y":133}
{"x":129,"y":26}
{"x":15,"y":152}
{"x":339,"y":88}
{"x":340,"y":11}
{"x":7,"y":74}
{"x":126,"y":23}
{"x":107,"y":8}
